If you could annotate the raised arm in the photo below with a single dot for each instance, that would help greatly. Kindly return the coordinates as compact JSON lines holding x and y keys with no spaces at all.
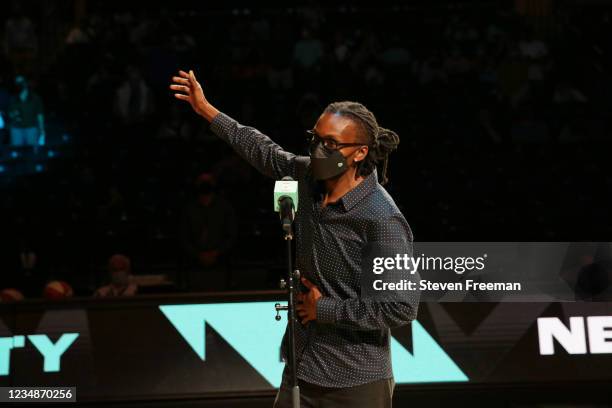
{"x":252,"y":145}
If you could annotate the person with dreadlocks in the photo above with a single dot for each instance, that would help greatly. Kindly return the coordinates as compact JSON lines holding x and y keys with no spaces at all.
{"x":343,"y":342}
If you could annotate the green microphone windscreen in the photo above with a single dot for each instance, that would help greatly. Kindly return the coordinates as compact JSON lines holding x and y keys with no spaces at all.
{"x":286,"y":188}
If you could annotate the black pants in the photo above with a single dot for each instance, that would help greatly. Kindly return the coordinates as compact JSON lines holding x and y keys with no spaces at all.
{"x":377,"y":394}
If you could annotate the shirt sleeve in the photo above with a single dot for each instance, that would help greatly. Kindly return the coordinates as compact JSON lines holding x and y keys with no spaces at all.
{"x":394,"y":308}
{"x":256,"y":148}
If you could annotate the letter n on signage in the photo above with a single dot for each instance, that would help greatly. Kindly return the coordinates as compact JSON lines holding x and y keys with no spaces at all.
{"x":574,"y":338}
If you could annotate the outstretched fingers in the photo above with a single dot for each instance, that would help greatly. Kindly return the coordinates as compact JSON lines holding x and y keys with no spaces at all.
{"x":180,"y":80}
{"x":185,"y":86}
{"x":181,"y":88}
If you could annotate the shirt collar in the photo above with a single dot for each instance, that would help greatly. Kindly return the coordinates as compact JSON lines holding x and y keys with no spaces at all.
{"x":363,"y":189}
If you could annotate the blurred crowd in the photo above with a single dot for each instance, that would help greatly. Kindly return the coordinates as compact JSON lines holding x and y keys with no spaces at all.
{"x":504,"y":120}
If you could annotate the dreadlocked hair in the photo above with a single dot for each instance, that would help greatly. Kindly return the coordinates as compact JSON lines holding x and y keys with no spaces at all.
{"x":381,"y":141}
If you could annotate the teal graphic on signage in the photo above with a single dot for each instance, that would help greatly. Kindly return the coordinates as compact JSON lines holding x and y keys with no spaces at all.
{"x":252,"y":331}
{"x":427,"y":362}
{"x":248,"y":327}
{"x":51,"y":352}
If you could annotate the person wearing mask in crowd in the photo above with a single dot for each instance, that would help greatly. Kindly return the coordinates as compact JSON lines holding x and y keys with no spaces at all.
{"x":120,"y":273}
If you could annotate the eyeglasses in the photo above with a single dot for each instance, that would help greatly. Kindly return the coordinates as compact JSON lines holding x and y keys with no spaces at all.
{"x":328,"y":143}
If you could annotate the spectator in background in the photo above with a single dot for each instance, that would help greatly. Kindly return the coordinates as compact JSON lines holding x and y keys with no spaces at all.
{"x":5,"y":98}
{"x":533,"y":48}
{"x":77,"y":35}
{"x":26,"y":118}
{"x":20,"y":41}
{"x":29,"y":276}
{"x":120,"y":271}
{"x":566,"y":93}
{"x":569,"y":105}
{"x":208,"y":232}
{"x":26,"y":243}
{"x":308,"y":50}
{"x":175,"y":127}
{"x":134,"y":98}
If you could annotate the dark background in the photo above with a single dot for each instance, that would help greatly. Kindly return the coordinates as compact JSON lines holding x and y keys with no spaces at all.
{"x":496,"y":145}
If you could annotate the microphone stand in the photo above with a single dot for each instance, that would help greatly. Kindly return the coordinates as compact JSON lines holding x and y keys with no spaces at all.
{"x":291,"y":286}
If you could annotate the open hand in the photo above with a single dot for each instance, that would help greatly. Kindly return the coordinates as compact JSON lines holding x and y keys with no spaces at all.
{"x":189,"y":89}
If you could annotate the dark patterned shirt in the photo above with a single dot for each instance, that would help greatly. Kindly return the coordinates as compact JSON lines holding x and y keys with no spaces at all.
{"x":348,"y":344}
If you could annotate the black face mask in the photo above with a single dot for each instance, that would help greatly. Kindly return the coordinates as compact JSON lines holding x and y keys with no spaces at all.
{"x":327,"y":164}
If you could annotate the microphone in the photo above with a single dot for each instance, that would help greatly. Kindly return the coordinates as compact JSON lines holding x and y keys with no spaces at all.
{"x":286,"y":201}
